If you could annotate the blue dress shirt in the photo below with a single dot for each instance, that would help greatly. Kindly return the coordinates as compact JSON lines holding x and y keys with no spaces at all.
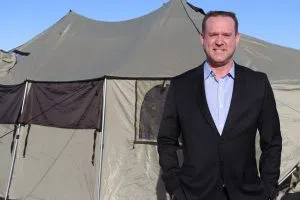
{"x":218,"y":95}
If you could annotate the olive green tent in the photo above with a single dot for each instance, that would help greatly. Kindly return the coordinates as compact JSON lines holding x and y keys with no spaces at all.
{"x":80,"y":103}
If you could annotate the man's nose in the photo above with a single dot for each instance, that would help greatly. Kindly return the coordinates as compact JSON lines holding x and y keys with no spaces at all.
{"x":219,"y":41}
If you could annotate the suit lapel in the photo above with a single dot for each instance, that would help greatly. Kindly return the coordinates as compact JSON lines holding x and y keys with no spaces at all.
{"x":201,"y":97}
{"x":237,"y":98}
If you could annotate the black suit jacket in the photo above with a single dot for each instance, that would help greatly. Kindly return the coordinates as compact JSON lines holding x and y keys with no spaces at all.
{"x":212,"y":161}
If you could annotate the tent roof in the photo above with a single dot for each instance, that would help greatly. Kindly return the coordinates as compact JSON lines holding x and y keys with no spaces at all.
{"x":162,"y":43}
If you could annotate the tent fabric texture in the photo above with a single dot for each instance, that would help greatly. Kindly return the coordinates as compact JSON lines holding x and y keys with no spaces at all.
{"x":81,"y":103}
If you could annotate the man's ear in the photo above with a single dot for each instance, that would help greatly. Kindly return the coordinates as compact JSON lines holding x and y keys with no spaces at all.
{"x":201,"y":38}
{"x":237,"y":39}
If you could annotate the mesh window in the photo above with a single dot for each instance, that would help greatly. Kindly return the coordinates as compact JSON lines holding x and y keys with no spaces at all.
{"x":150,"y":100}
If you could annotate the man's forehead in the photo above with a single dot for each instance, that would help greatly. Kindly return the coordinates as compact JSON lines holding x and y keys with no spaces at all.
{"x":220,"y":17}
{"x":220,"y":22}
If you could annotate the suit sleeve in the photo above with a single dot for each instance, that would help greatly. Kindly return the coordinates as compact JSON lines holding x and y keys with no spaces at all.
{"x":168,"y":144}
{"x":270,"y":142}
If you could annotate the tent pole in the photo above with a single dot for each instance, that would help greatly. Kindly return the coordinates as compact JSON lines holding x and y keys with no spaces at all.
{"x":15,"y":145}
{"x":102,"y":140}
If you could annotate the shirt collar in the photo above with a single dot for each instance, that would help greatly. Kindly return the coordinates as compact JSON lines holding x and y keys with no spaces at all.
{"x":208,"y":72}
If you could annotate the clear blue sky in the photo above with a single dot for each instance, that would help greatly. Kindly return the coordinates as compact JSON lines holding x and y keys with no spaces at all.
{"x":275,"y":21}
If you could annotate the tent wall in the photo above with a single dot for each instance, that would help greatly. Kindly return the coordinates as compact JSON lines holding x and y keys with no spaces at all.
{"x":130,"y":171}
{"x":57,"y":165}
{"x":288,"y":105}
{"x":287,"y":100}
{"x":52,"y":162}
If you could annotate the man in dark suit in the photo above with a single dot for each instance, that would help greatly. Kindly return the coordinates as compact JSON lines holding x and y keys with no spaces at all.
{"x":217,"y":109}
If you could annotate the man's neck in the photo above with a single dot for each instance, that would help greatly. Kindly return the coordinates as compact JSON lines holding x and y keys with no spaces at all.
{"x":221,"y":71}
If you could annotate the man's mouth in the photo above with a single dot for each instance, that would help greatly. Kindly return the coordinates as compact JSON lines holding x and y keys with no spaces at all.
{"x":219,"y":50}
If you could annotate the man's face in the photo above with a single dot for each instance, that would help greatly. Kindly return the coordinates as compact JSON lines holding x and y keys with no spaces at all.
{"x":219,"y":40}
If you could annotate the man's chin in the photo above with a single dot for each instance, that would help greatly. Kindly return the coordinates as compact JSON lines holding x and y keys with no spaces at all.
{"x":218,"y":63}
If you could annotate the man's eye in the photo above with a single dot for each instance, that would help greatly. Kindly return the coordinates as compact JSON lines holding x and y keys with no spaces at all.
{"x":227,"y":35}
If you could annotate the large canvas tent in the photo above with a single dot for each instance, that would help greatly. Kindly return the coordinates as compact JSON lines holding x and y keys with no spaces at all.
{"x":81,"y":102}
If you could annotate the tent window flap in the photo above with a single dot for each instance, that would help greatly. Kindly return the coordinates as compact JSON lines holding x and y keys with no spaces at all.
{"x":76,"y":105}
